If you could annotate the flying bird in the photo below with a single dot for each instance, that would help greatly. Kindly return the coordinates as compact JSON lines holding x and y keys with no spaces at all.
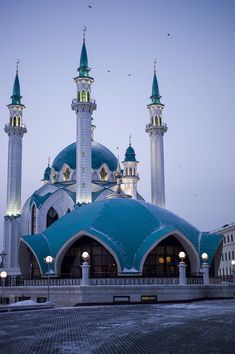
{"x":168,"y":34}
{"x":89,"y":6}
{"x":108,"y":71}
{"x":129,"y":74}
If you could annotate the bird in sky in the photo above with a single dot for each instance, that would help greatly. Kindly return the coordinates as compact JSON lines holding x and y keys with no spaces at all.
{"x":168,"y":34}
{"x":129,"y":74}
{"x":89,"y":6}
{"x":108,"y":71}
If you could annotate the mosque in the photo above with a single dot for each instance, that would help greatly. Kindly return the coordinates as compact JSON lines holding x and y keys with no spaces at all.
{"x":89,"y":201}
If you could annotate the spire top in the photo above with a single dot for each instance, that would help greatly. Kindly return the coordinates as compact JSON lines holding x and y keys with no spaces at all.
{"x":154,"y":65}
{"x":84,"y":33}
{"x":17,"y":66}
{"x":16,"y":97}
{"x":49,"y":161}
{"x":155,"y":97}
{"x":83,"y":68}
{"x":130,"y":137}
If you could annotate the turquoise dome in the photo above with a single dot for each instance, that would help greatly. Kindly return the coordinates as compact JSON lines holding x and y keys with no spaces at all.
{"x":100,"y":155}
{"x":128,"y":227}
{"x":130,"y":154}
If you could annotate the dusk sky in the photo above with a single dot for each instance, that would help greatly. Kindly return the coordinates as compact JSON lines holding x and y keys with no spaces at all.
{"x":195,"y":70}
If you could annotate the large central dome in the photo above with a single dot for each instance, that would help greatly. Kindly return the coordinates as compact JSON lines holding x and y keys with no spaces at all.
{"x":100,"y":155}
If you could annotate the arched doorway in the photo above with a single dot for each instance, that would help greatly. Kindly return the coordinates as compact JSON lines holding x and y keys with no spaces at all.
{"x":163,"y":260}
{"x":102,"y":263}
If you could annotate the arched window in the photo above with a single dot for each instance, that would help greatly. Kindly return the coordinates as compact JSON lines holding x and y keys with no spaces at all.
{"x":103,"y":174}
{"x":79,"y":96}
{"x":88,"y":96}
{"x":33,"y":220}
{"x":130,"y":171}
{"x":66,"y":174}
{"x":102,"y":263}
{"x":14,"y":121}
{"x":83,"y":96}
{"x":52,"y":216}
{"x":19,"y":122}
{"x":163,"y":260}
{"x":160,"y":121}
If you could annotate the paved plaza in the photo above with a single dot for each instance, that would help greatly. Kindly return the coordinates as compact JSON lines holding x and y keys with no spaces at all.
{"x":200,"y":327}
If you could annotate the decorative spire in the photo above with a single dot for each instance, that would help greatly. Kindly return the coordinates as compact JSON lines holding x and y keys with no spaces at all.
{"x":83,"y":68}
{"x":130,"y":140}
{"x":16,"y":97}
{"x":155,"y":98}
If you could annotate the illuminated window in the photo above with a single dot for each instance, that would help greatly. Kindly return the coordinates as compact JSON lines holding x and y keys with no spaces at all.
{"x":66,"y":174}
{"x":103,"y":174}
{"x":83,"y":96}
{"x":33,"y":220}
{"x":52,"y":216}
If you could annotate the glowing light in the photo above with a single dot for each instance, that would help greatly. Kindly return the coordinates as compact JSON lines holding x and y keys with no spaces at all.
{"x":204,"y":257}
{"x":182,"y":256}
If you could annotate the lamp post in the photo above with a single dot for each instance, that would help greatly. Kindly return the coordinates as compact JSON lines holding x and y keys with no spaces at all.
{"x":85,"y":269}
{"x":3,"y":276}
{"x":182,"y":269}
{"x":3,"y":254}
{"x":48,"y":260}
{"x":205,"y":269}
{"x":233,"y":270}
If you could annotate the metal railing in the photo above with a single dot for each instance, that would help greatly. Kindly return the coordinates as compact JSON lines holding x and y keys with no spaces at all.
{"x":20,"y":280}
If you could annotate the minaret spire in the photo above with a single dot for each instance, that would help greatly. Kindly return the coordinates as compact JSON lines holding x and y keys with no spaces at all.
{"x":156,"y":129}
{"x":83,"y":106}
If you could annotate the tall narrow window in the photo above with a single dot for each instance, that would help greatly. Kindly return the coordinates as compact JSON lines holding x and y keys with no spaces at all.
{"x":66,"y":174}
{"x":19,"y":122}
{"x":88,"y":96}
{"x":83,"y":96}
{"x":33,"y":220}
{"x":14,"y":121}
{"x":103,"y":174}
{"x":52,"y":216}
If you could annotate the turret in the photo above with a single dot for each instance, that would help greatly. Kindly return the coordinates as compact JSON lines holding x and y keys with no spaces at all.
{"x":130,"y":174}
{"x":156,"y":129}
{"x":83,"y":105}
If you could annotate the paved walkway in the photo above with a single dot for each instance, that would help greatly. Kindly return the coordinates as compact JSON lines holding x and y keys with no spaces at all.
{"x":206,"y":327}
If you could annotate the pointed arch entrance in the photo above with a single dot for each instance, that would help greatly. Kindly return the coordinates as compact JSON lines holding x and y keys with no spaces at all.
{"x":102,"y":263}
{"x":163,"y":259}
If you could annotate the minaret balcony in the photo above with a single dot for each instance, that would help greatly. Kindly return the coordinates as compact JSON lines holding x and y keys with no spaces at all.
{"x":150,"y":126}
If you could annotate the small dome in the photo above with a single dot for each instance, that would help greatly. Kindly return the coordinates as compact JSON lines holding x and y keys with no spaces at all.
{"x":100,"y":155}
{"x":47,"y":172}
{"x":130,"y":154}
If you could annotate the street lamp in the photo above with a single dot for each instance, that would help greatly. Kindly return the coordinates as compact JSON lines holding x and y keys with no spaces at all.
{"x":3,"y":276}
{"x":205,"y":268}
{"x":204,"y":257}
{"x":182,"y":268}
{"x":85,"y":256}
{"x":85,"y":269}
{"x":182,"y":256}
{"x":48,"y":260}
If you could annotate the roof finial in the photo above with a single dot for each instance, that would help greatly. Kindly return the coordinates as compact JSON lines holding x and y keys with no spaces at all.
{"x":49,"y":161}
{"x":84,"y":30}
{"x":154,"y":65}
{"x":130,"y":140}
{"x":17,"y":66}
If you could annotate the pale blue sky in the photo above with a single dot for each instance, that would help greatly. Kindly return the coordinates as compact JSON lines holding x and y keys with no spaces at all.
{"x":195,"y":70}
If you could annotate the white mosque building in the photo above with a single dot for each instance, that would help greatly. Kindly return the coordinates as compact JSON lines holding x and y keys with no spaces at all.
{"x":89,"y":202}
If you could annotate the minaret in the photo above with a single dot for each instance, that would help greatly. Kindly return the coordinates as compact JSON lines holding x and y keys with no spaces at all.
{"x":15,"y":130}
{"x":130,"y":174}
{"x":156,"y":129}
{"x":83,"y":106}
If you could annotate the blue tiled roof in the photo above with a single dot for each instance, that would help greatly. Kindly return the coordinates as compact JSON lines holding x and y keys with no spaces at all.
{"x":127,"y":226}
{"x":100,"y":155}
